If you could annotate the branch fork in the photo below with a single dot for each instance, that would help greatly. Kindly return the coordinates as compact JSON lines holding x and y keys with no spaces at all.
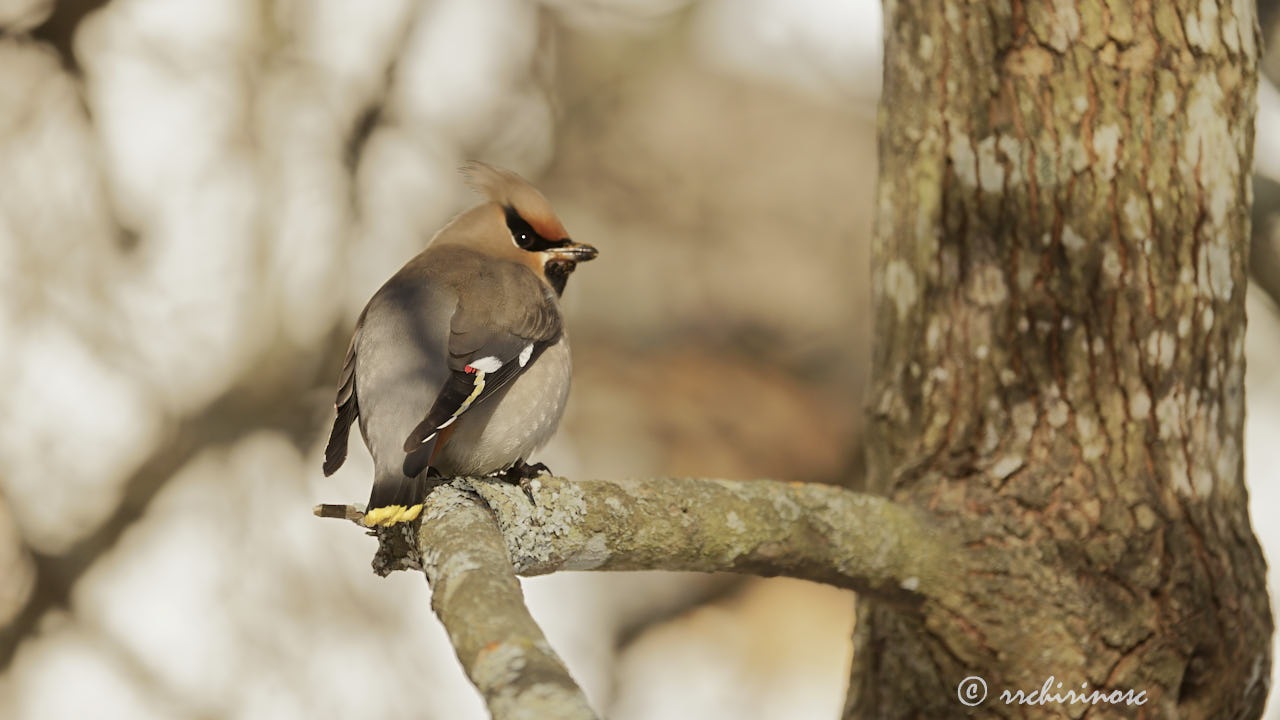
{"x":475,"y":535}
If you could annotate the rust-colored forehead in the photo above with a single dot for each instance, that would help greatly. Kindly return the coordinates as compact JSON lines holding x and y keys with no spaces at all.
{"x":510,"y":190}
{"x":543,"y":222}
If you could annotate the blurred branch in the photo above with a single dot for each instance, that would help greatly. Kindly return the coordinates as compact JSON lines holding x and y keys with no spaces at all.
{"x":275,"y":398}
{"x":1264,"y":260}
{"x":371,"y":115}
{"x":126,"y":659}
{"x":477,"y":534}
{"x":16,"y":566}
{"x":60,"y":28}
{"x":1269,"y":24}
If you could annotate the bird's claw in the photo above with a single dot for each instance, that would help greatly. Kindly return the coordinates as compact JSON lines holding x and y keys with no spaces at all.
{"x":521,"y":471}
{"x":537,"y":469}
{"x":524,"y":474}
{"x":526,"y":484}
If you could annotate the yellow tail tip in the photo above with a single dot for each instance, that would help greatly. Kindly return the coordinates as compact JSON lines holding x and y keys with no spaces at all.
{"x":392,"y":514}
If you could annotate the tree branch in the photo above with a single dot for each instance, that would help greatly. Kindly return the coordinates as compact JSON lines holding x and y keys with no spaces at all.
{"x":814,"y":532}
{"x":477,"y":534}
{"x":475,"y":592}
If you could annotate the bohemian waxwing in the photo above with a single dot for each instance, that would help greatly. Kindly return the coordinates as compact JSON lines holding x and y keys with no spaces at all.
{"x":459,"y":364}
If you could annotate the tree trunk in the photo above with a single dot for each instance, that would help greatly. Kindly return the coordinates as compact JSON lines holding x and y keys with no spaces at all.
{"x":1063,"y":226}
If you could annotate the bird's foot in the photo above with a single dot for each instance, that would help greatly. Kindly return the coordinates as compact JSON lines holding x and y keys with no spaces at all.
{"x":524,"y":474}
{"x":524,"y":471}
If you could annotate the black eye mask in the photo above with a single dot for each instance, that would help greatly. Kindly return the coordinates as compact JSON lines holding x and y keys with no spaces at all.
{"x":525,"y":237}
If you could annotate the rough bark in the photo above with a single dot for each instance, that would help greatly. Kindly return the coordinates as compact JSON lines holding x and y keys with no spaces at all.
{"x":1061,"y":250}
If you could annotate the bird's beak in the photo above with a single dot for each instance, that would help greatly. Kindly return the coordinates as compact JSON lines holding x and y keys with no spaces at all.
{"x":573,"y":252}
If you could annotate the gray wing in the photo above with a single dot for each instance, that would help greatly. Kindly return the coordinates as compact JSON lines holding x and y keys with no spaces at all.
{"x":345,"y":405}
{"x":400,"y":356}
{"x":493,"y":338}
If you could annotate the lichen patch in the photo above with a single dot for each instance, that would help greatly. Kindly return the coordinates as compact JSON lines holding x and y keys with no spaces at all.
{"x":926,"y":48}
{"x":1202,"y":27}
{"x":1240,"y":23}
{"x":454,"y":569}
{"x":499,"y":665}
{"x":990,"y":169}
{"x":987,"y":286}
{"x":1092,"y":443}
{"x":963,"y":161}
{"x":1137,"y":220}
{"x":1024,"y":421}
{"x":900,"y":286}
{"x":591,"y":555}
{"x":1063,"y":25}
{"x":1209,"y":155}
{"x":1058,"y":413}
{"x":1007,"y":465}
{"x":1139,"y":404}
{"x":1214,"y":261}
{"x":1178,"y":474}
{"x":734,"y":523}
{"x":1106,"y":145}
{"x":1168,"y":415}
{"x":1160,"y":347}
{"x":1071,"y":240}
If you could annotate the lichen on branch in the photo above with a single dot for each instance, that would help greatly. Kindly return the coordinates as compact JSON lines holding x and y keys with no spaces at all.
{"x":476,"y":535}
{"x":760,"y":527}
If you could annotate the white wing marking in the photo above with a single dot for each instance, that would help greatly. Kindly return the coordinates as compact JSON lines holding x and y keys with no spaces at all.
{"x":487,"y":364}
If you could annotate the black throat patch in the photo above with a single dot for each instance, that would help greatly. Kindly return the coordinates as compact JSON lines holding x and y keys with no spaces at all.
{"x":557,"y":272}
{"x":528,"y":239}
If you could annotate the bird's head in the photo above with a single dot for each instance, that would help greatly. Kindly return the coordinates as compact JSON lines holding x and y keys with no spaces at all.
{"x":518,"y":224}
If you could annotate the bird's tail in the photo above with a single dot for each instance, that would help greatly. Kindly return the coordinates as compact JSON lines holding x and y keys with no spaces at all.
{"x":396,"y":499}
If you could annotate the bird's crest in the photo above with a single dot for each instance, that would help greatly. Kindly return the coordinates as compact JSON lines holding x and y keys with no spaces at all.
{"x":512,"y":191}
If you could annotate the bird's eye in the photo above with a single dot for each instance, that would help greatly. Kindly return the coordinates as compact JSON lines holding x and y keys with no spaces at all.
{"x":521,"y":232}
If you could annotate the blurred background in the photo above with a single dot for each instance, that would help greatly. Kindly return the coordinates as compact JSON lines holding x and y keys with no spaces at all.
{"x":196,"y":200}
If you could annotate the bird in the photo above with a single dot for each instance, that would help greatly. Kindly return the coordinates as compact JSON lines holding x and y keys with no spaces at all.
{"x":459,"y":364}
